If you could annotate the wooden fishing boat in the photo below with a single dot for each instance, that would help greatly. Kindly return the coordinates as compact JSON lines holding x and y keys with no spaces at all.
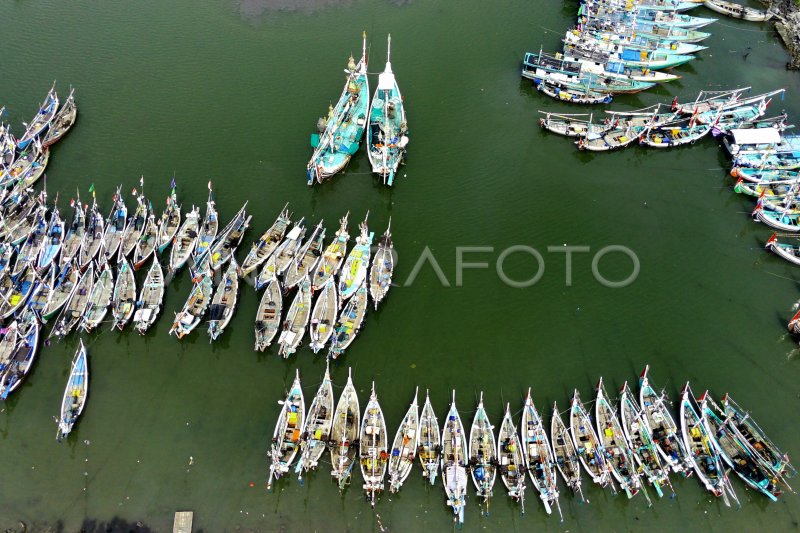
{"x":73,"y":310}
{"x":565,"y":454}
{"x":28,"y":253}
{"x":223,"y":304}
{"x":663,"y":429}
{"x":738,"y":11}
{"x":208,"y":229}
{"x":612,"y":13}
{"x":195,"y":307}
{"x":676,"y":133}
{"x":63,"y":121}
{"x":53,"y":242}
{"x":588,"y":445}
{"x":150,"y":299}
{"x":344,"y":434}
{"x":332,"y":258}
{"x":294,"y":327}
{"x":572,"y":124}
{"x":538,"y":456}
{"x":775,"y":195}
{"x":135,"y":226}
{"x":354,"y":272}
{"x":380,"y":275}
{"x":404,"y":447}
{"x":268,"y":242}
{"x":93,"y":240}
{"x":317,"y":428}
{"x":323,"y":317}
{"x":703,"y":454}
{"x":268,"y":316}
{"x":63,"y":286}
{"x":782,"y":220}
{"x":34,"y":172}
{"x":286,"y":437}
{"x":123,"y":299}
{"x":23,"y":162}
{"x":640,"y":440}
{"x":611,"y":41}
{"x":732,"y":447}
{"x":769,"y":160}
{"x":387,"y":134}
{"x":8,"y":344}
{"x":454,"y":463}
{"x":616,"y":449}
{"x":21,"y":359}
{"x":482,"y":452}
{"x":99,"y":299}
{"x":572,"y":95}
{"x":430,"y":444}
{"x":636,"y":65}
{"x":306,"y":260}
{"x":15,"y":290}
{"x":227,"y":241}
{"x":185,"y":240}
{"x":624,"y":130}
{"x":512,"y":461}
{"x":169,"y":222}
{"x":372,"y":450}
{"x":287,"y":250}
{"x":74,"y":233}
{"x":349,"y":323}
{"x":340,"y":133}
{"x":115,"y":227}
{"x":75,"y":393}
{"x":44,"y":117}
{"x":146,"y":244}
{"x":16,"y":208}
{"x":789,"y":252}
{"x":42,"y":287}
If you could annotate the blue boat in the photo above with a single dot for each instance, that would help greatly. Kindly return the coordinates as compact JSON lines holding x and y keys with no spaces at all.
{"x":45,"y":115}
{"x":556,"y":70}
{"x":115,"y":227}
{"x":52,"y":242}
{"x":21,"y":358}
{"x":342,"y":130}
{"x":354,"y":271}
{"x":75,"y":393}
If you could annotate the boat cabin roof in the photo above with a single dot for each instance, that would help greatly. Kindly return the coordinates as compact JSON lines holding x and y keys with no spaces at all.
{"x":756,"y":136}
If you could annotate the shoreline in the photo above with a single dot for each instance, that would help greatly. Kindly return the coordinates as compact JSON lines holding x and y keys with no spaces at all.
{"x":787,"y":24}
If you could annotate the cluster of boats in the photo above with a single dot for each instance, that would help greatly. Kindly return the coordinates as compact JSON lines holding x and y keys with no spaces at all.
{"x":339,"y":134}
{"x":628,"y":444}
{"x":619,"y":47}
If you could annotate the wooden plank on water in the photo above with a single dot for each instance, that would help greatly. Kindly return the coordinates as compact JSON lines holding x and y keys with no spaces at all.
{"x":183,"y":522}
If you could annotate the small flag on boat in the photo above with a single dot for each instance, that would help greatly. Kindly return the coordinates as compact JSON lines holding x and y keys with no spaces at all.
{"x":173,"y":183}
{"x":141,"y":181}
{"x":674,"y":103}
{"x":133,"y":192}
{"x":209,"y":185}
{"x":91,"y":187}
{"x":72,"y":202}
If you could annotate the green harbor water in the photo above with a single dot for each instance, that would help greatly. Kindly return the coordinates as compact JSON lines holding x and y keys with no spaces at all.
{"x":230,"y":91}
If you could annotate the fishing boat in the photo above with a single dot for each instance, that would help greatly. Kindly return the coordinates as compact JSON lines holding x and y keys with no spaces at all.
{"x":640,"y":440}
{"x":227,"y":241}
{"x":600,"y":39}
{"x":789,"y":252}
{"x":208,"y":229}
{"x":223,"y":304}
{"x":787,"y":219}
{"x":44,"y":117}
{"x":75,"y":393}
{"x":24,"y":353}
{"x":76,"y":304}
{"x":675,"y":133}
{"x":306,"y":259}
{"x":63,"y":286}
{"x":28,"y":253}
{"x":146,"y":244}
{"x":195,"y":307}
{"x":354,"y":272}
{"x":135,"y":226}
{"x":23,"y":162}
{"x":606,"y":12}
{"x":267,"y":243}
{"x":63,"y":121}
{"x":538,"y":456}
{"x":16,"y":208}
{"x":344,"y":434}
{"x":387,"y":134}
{"x":28,"y":178}
{"x":8,"y":146}
{"x":572,"y":124}
{"x":627,"y":64}
{"x":624,"y":130}
{"x":430,"y":444}
{"x":8,"y":343}
{"x":703,"y":453}
{"x":93,"y":241}
{"x":340,"y":133}
{"x":323,"y":317}
{"x":150,"y":298}
{"x":185,"y":240}
{"x":286,"y":437}
{"x":294,"y":327}
{"x":588,"y":445}
{"x":15,"y":290}
{"x":380,"y":275}
{"x":663,"y":429}
{"x":734,"y":450}
{"x":169,"y":222}
{"x":757,"y":140}
{"x":769,"y":160}
{"x":737,"y":11}
{"x":99,"y":299}
{"x":555,"y":69}
{"x":349,"y":323}
{"x":616,"y":449}
{"x":512,"y":461}
{"x":565,"y":454}
{"x":287,"y":250}
{"x":482,"y":453}
{"x":268,"y":315}
{"x":372,"y":450}
{"x":115,"y":227}
{"x":74,"y":233}
{"x":404,"y":447}
{"x":123,"y":299}
{"x":454,"y":463}
{"x":572,"y":95}
{"x":6,"y":253}
{"x":53,"y":242}
{"x":331,"y":260}
{"x":43,"y":286}
{"x":317,"y":428}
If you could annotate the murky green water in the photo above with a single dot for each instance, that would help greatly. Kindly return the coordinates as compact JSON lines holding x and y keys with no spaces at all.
{"x":231,"y":91}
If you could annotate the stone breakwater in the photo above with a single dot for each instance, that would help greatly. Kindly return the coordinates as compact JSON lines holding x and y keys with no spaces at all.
{"x":787,"y":24}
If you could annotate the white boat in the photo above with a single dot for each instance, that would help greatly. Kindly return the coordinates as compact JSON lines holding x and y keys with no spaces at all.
{"x":738,"y":11}
{"x":323,"y":317}
{"x":482,"y":454}
{"x":372,"y":451}
{"x":404,"y":447}
{"x":223,"y":304}
{"x":286,"y":437}
{"x":317,"y":428}
{"x":150,"y":298}
{"x":268,"y":315}
{"x":539,"y":461}
{"x":344,"y":434}
{"x":294,"y":327}
{"x":454,"y":463}
{"x":429,"y":442}
{"x":74,"y":399}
